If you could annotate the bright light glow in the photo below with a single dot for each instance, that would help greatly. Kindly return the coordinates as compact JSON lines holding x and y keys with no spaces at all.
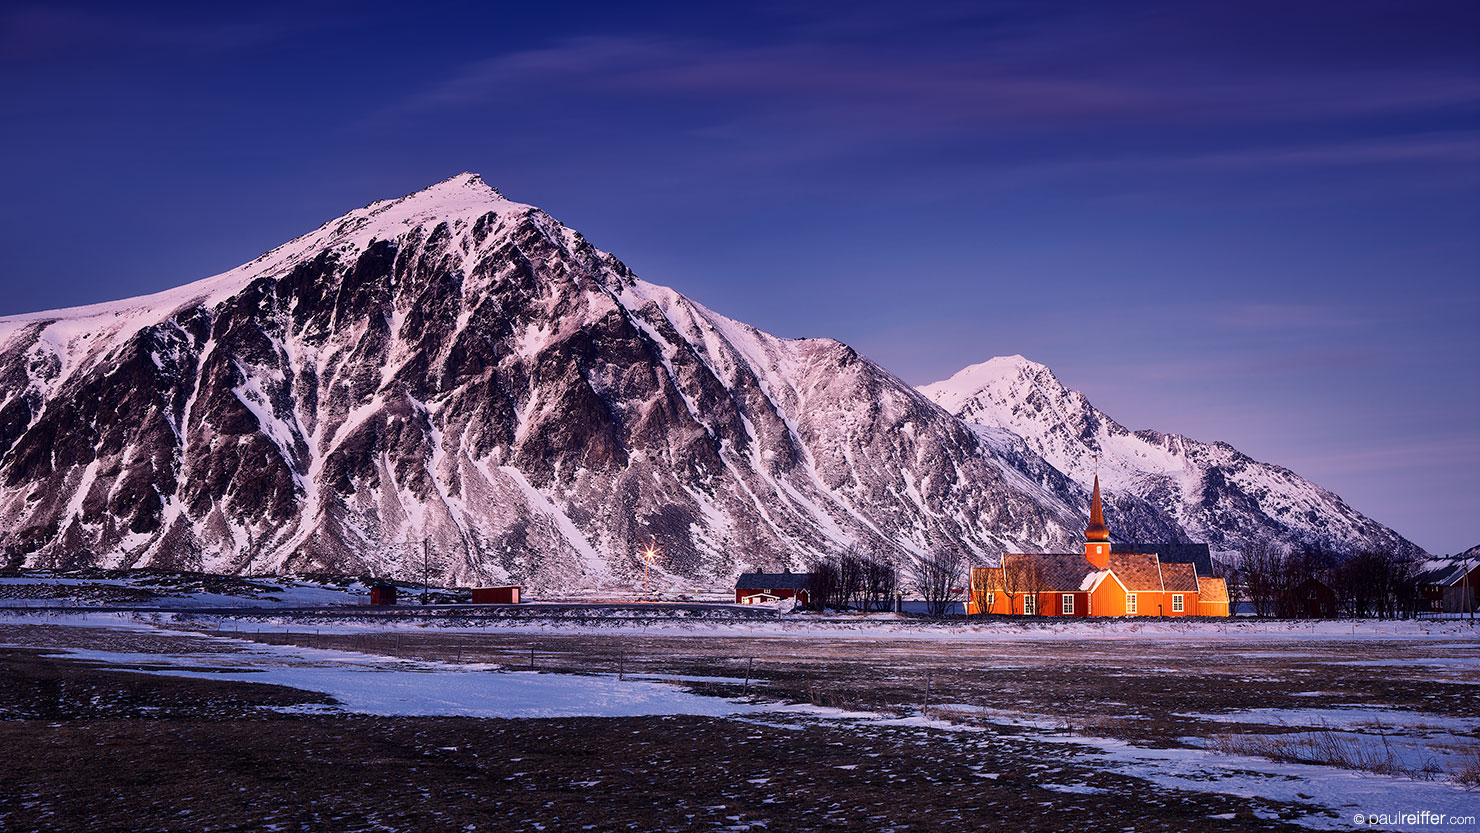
{"x":649,"y":555}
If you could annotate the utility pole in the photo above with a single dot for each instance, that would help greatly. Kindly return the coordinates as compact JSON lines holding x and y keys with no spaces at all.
{"x":1469,"y":594}
{"x":426,"y":568}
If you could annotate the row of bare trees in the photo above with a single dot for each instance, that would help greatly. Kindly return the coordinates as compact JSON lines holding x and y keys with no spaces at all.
{"x":940,"y":577}
{"x":1368,"y":583}
{"x":854,"y":580}
{"x":1014,"y":580}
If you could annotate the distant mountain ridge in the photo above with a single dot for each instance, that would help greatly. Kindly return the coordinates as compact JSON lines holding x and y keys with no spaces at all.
{"x":455,"y":368}
{"x":1211,"y":491}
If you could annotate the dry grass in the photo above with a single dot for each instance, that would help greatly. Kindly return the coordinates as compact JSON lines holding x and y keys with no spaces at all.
{"x":1466,"y":772}
{"x":1318,"y":746}
{"x":1327,"y":747}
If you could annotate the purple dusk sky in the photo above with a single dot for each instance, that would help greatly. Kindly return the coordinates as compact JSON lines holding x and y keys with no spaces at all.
{"x":1246,"y":221}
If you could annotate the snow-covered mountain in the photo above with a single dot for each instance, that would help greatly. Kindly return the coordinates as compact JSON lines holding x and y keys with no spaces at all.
{"x":455,"y":367}
{"x":458,"y":377}
{"x":1211,"y":491}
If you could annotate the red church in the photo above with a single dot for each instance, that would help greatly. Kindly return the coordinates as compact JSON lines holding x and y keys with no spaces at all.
{"x":1097,"y":583}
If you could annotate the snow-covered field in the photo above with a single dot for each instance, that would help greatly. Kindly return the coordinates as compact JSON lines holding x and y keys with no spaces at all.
{"x":372,"y":683}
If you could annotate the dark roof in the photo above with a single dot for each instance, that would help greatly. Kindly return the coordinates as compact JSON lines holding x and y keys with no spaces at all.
{"x":773,"y":581}
{"x":1172,"y":553}
{"x":1137,"y":571}
{"x":1445,"y":571}
{"x":1179,"y":578}
{"x":1044,"y":572}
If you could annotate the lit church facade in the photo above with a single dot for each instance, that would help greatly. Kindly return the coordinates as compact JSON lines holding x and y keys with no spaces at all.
{"x":1097,"y":583}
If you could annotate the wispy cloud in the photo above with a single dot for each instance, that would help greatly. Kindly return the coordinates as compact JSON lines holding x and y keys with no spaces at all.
{"x":1275,"y":316}
{"x":1394,"y":456}
{"x":1009,"y":66}
{"x":31,"y":31}
{"x":843,"y":83}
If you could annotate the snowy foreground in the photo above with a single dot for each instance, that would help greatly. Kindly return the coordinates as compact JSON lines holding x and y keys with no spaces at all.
{"x":1428,"y":744}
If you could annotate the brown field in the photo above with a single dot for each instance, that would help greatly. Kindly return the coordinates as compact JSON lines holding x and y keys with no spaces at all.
{"x":93,"y":748}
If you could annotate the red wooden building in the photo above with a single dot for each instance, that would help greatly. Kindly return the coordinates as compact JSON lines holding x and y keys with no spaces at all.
{"x":383,"y":594}
{"x":761,"y":588}
{"x":1098,"y":583}
{"x":506,"y":595}
{"x":1313,"y":599}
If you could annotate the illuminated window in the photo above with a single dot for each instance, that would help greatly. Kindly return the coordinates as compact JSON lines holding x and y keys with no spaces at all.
{"x":1130,"y":603}
{"x":1177,"y":603}
{"x":1068,"y":604}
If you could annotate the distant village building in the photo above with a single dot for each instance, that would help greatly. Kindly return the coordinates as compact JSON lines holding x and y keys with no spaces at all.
{"x":383,"y":594}
{"x":1313,"y":599}
{"x":1449,"y":585}
{"x":764,"y":588}
{"x":1098,"y":583}
{"x":506,"y":595}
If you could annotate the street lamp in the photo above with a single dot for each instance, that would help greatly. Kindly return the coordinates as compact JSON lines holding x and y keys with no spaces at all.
{"x":649,"y":554}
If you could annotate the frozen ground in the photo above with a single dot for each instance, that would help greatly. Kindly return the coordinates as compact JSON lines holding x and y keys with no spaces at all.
{"x":1156,"y":705}
{"x":367,"y":684}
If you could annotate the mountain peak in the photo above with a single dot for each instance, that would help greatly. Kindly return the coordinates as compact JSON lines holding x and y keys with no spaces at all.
{"x":970,"y":380}
{"x":467,"y":181}
{"x":452,"y":197}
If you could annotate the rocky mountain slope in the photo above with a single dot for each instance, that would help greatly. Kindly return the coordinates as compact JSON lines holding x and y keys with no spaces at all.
{"x":456,"y":368}
{"x":457,"y":382}
{"x":1211,"y":491}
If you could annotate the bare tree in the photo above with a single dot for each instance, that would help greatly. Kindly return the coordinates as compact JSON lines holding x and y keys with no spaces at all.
{"x":938,"y":579}
{"x":880,"y":582}
{"x":981,"y":585}
{"x":1376,"y":583}
{"x":1020,"y":577}
{"x":823,"y":583}
{"x":1032,"y":580}
{"x":851,"y":567}
{"x":1263,"y":567}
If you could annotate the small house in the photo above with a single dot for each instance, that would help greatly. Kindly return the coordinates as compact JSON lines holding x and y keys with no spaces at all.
{"x":764,"y":588}
{"x":1449,"y":585}
{"x":506,"y":595}
{"x":382,"y":594}
{"x":1313,"y":599}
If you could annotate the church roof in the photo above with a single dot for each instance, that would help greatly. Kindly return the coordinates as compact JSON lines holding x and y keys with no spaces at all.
{"x":1137,"y":571}
{"x":1172,"y":553}
{"x":1212,"y":590}
{"x":1044,"y":572}
{"x":1179,"y":578}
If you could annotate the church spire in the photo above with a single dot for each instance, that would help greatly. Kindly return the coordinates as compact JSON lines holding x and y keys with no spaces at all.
{"x":1096,"y":530}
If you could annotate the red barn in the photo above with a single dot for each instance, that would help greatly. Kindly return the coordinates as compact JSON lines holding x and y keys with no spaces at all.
{"x":507,"y":595}
{"x":760,"y":588}
{"x":383,"y":594}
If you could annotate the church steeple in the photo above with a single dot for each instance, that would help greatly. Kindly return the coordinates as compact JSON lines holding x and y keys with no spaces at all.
{"x":1097,"y":536}
{"x":1096,"y":530}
